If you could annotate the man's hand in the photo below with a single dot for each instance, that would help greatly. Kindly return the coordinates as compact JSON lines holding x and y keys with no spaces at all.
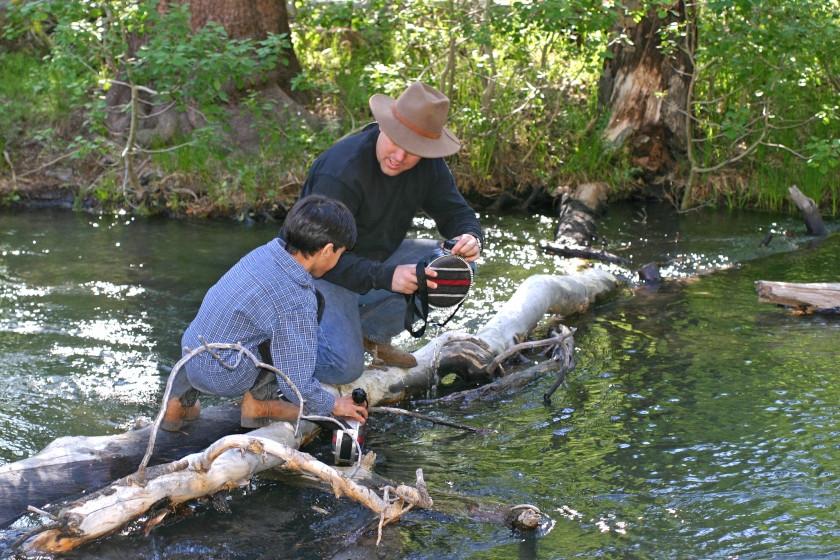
{"x":468,"y":247}
{"x":405,"y":279}
{"x":346,"y":408}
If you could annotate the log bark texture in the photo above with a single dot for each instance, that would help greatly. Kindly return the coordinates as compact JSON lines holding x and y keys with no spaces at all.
{"x":577,"y":223}
{"x":537,"y":296}
{"x":806,"y":297}
{"x":73,"y":464}
{"x":228,"y":463}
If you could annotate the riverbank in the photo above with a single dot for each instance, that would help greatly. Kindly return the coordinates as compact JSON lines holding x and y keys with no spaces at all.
{"x":51,"y":174}
{"x":251,"y":163}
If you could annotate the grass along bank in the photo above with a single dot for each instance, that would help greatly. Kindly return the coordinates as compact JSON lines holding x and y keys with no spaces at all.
{"x":524,"y":102}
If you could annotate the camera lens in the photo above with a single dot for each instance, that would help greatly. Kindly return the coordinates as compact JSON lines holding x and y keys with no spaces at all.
{"x":359,"y":396}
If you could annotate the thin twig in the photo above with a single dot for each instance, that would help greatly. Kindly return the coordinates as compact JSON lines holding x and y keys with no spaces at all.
{"x":37,"y":531}
{"x":33,"y":509}
{"x":568,"y":363}
{"x":242,"y":351}
{"x":163,"y":150}
{"x":526,"y":345}
{"x":185,"y":191}
{"x":138,"y":86}
{"x":404,"y":412}
{"x":12,"y":167}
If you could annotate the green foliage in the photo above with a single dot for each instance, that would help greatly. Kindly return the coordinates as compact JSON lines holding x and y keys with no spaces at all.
{"x":34,"y":98}
{"x":766,"y":90}
{"x":521,"y":77}
{"x":132,"y":41}
{"x":128,"y":42}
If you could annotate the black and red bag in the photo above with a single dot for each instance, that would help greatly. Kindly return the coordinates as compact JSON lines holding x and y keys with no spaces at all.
{"x":454,"y":279}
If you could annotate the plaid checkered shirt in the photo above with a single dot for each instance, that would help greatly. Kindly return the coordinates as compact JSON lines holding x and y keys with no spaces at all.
{"x":266,"y":295}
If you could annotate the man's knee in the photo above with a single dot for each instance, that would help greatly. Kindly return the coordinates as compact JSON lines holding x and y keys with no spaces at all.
{"x":341,"y":369}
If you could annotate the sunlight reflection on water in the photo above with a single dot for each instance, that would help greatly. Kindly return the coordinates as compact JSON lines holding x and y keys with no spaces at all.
{"x":697,"y":423}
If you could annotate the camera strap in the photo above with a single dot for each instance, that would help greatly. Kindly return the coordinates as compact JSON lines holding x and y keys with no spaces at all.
{"x":418,"y":304}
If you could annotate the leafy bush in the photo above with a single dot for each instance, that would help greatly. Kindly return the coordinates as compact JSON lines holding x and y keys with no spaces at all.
{"x":95,"y":46}
{"x":522,"y":77}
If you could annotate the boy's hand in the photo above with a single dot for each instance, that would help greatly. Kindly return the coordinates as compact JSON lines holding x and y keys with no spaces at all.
{"x":346,"y":408}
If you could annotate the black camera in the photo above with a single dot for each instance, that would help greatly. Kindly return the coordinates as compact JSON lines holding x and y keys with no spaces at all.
{"x":448,"y":245}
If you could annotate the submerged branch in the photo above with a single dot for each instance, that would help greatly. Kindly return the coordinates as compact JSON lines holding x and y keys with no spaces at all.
{"x":440,"y":421}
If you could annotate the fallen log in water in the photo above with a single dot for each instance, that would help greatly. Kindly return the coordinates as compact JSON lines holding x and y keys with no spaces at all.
{"x":476,"y":508}
{"x":579,"y":252}
{"x":100,"y":514}
{"x":576,"y":224}
{"x":228,"y":463}
{"x":73,"y":464}
{"x":805,"y":297}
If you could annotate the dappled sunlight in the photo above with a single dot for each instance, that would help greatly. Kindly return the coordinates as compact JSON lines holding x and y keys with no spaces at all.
{"x":114,"y":291}
{"x":693,"y":414}
{"x":116,"y":331}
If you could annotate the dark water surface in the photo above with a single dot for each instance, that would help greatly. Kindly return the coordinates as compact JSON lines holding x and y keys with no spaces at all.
{"x":698,"y":423}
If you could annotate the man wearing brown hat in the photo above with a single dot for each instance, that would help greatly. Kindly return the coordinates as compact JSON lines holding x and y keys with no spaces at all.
{"x":386,"y":174}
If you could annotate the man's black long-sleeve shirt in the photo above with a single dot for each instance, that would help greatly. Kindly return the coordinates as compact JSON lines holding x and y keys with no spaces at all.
{"x":384,"y":206}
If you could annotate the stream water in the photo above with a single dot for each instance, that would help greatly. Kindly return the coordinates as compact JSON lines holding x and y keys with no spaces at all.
{"x":697,"y":422}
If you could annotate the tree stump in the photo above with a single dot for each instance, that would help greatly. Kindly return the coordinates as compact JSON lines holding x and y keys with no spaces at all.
{"x":810,"y":212}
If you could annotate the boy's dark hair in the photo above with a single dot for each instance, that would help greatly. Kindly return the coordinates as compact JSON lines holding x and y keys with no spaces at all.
{"x":316,"y":220}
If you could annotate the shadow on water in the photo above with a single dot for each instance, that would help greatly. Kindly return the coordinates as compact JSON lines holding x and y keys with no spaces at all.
{"x":698,"y":423}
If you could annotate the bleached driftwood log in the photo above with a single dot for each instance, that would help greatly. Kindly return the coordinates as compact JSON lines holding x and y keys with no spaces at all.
{"x":537,"y":296}
{"x":805,"y":297}
{"x":482,"y":508}
{"x":228,"y":463}
{"x":73,"y":464}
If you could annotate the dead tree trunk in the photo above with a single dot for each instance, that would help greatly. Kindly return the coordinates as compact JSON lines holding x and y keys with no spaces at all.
{"x":228,"y":463}
{"x":538,"y":295}
{"x":645,"y":91}
{"x":70,"y":465}
{"x":810,"y":212}
{"x":477,"y":508}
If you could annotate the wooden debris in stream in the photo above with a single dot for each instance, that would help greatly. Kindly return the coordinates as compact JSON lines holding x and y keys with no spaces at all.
{"x":806,"y":298}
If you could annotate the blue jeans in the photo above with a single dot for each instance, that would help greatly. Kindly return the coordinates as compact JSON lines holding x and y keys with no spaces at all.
{"x":348,"y":317}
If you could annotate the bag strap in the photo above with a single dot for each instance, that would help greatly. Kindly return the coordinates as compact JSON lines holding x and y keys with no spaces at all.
{"x":322,"y":303}
{"x":460,"y":303}
{"x":422,"y":310}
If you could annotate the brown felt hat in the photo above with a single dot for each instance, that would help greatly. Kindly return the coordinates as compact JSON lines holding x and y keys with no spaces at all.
{"x":414,"y":121}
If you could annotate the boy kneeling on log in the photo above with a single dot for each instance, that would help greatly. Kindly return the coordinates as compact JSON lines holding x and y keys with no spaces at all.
{"x":267,"y":303}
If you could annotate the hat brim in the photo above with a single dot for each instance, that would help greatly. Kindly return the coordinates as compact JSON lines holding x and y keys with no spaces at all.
{"x":407,"y":139}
